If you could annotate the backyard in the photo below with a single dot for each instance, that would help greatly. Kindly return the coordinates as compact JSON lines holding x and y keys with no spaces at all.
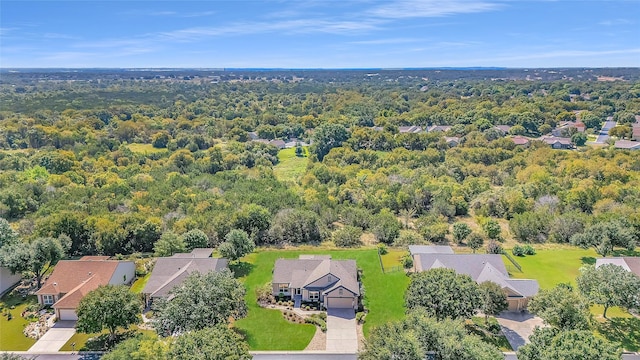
{"x":384,"y":297}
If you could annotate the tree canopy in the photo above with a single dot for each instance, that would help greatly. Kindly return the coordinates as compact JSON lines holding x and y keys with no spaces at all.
{"x":609,"y":285}
{"x":108,"y":307}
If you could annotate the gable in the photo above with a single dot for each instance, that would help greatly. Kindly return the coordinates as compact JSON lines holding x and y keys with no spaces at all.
{"x":336,"y":292}
{"x":323,"y":282}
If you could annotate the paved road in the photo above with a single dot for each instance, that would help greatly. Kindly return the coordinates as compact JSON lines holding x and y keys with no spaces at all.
{"x":603,"y":136}
{"x":517,"y":327}
{"x":55,"y":337}
{"x":341,"y":331}
{"x":315,"y":355}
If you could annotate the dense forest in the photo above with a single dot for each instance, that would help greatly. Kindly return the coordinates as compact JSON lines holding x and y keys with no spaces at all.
{"x":114,"y":161}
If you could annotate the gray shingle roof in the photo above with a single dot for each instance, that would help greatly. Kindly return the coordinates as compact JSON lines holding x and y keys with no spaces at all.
{"x":299,"y":273}
{"x":629,"y":263}
{"x":430,"y":249}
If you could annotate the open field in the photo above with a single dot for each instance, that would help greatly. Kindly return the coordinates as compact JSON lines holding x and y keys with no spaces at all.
{"x":11,"y":336}
{"x":384,"y":295}
{"x":145,"y":149}
{"x":291,"y":167}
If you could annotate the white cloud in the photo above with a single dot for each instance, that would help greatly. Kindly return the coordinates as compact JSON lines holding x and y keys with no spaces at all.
{"x":430,"y":8}
{"x":615,"y":22}
{"x":385,"y":41}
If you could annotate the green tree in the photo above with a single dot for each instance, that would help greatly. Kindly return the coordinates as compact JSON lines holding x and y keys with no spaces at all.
{"x":609,"y":285}
{"x":203,"y":300}
{"x":7,"y":235}
{"x":579,"y":139}
{"x":326,"y":137}
{"x":561,"y":307}
{"x":390,"y":342}
{"x":254,"y":219}
{"x":491,"y":228}
{"x":493,"y":300}
{"x":160,"y":139}
{"x":531,"y":226}
{"x":431,"y":290}
{"x":169,"y":244}
{"x":195,"y":238}
{"x":141,"y":347}
{"x":293,"y":226}
{"x":347,"y":236}
{"x":236,"y":245}
{"x":212,"y":343}
{"x":552,"y":344}
{"x":386,"y":227}
{"x":475,"y":241}
{"x":604,"y":236}
{"x":108,"y":307}
{"x":36,"y":257}
{"x":461,"y":231}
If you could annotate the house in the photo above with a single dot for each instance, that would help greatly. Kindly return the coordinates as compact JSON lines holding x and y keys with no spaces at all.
{"x":317,"y":278}
{"x":520,"y":141}
{"x":568,"y":128}
{"x":280,"y":144}
{"x":480,"y":267}
{"x":627,"y":145}
{"x":557,"y":142}
{"x":441,"y":128}
{"x":409,"y":129}
{"x":71,"y":280}
{"x":7,"y":279}
{"x":170,"y":272}
{"x":629,"y":263}
{"x":452,"y":141}
{"x":504,"y":129}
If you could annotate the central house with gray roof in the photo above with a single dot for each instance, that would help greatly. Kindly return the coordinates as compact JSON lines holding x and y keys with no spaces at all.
{"x":480,"y":267}
{"x":170,"y":272}
{"x":317,"y":278}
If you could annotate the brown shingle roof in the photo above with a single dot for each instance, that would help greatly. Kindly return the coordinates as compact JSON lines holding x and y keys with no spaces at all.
{"x":68,"y":274}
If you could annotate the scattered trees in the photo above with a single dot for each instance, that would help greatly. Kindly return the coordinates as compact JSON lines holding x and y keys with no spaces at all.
{"x":609,"y":285}
{"x":604,"y":236}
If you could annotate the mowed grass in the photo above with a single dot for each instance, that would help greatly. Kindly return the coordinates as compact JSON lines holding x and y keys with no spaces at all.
{"x":139,"y":284}
{"x":81,"y":340}
{"x":145,"y":149}
{"x":552,"y":266}
{"x":11,"y":336}
{"x":291,"y":167}
{"x":267,"y":330}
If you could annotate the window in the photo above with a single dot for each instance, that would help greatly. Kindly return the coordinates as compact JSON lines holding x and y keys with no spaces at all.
{"x":284,"y":288}
{"x":47,"y":299}
{"x":314,"y":295}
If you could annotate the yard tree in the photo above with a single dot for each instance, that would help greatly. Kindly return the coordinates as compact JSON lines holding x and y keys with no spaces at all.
{"x":202,"y":301}
{"x":212,"y":343}
{"x":141,"y":347}
{"x":386,"y":227}
{"x":326,"y":137}
{"x":108,"y":307}
{"x":579,"y":138}
{"x":431,"y":290}
{"x":493,"y":300}
{"x":604,"y":236}
{"x":475,"y":241}
{"x":554,"y":344}
{"x":195,"y":238}
{"x":236,"y":245}
{"x":392,"y":341}
{"x":609,"y":285}
{"x":169,"y":244}
{"x":36,"y":257}
{"x":461,"y":231}
{"x":561,"y":307}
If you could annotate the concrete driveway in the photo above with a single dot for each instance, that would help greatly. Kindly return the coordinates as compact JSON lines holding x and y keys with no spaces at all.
{"x":55,"y":337}
{"x":603,"y":136}
{"x":517,"y":327}
{"x":341,"y":331}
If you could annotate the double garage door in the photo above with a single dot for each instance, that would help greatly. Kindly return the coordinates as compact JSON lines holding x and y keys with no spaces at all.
{"x":340,"y":303}
{"x":67,"y":314}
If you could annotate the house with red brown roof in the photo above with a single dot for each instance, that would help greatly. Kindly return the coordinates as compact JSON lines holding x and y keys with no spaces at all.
{"x":72,"y":280}
{"x":520,"y":141}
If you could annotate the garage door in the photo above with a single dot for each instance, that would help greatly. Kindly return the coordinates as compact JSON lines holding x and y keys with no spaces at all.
{"x":340,"y":303}
{"x":68,"y":314}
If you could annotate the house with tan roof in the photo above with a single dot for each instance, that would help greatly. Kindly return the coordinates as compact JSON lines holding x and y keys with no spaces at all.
{"x":627,"y":145}
{"x":72,"y":280}
{"x":319,"y":279}
{"x":480,"y":267}
{"x":169,"y":272}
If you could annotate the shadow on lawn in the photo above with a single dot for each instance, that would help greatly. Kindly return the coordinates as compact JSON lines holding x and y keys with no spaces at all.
{"x":101,"y":342}
{"x":241,"y":269}
{"x":625,"y":331}
{"x":588,"y":260}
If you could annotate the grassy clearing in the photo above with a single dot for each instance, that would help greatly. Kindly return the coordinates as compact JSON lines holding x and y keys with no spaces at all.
{"x":553,"y":266}
{"x":11,"y":336}
{"x":139,"y":284}
{"x":393,"y":258}
{"x":145,"y":149}
{"x":291,"y":167}
{"x":384,"y":297}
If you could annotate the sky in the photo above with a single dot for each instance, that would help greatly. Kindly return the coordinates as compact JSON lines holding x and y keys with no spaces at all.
{"x":319,"y":34}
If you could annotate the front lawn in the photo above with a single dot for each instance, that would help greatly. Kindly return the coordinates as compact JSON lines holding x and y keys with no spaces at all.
{"x":267,"y":330}
{"x":552,"y":266}
{"x":98,"y":340}
{"x":11,"y":336}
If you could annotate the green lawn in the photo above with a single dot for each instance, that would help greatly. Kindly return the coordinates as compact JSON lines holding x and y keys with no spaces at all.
{"x":267,"y":330}
{"x":11,"y":336}
{"x":139,"y":284}
{"x":81,"y":339}
{"x":145,"y":149}
{"x":552,"y":266}
{"x":291,"y":167}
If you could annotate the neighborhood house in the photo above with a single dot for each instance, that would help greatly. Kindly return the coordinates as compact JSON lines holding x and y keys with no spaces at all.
{"x":170,"y":272}
{"x":72,"y":280}
{"x":318,"y":279}
{"x":480,"y":267}
{"x":631,"y":264}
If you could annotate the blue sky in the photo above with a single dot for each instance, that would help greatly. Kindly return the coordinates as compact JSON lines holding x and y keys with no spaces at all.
{"x":323,"y":33}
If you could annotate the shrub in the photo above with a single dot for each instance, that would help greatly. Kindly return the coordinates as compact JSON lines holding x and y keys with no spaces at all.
{"x":360,"y":317}
{"x":494,"y":248}
{"x":518,"y":250}
{"x":407,"y":262}
{"x":529,"y":250}
{"x":382,"y":249}
{"x":316,"y":319}
{"x":348,"y":236}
